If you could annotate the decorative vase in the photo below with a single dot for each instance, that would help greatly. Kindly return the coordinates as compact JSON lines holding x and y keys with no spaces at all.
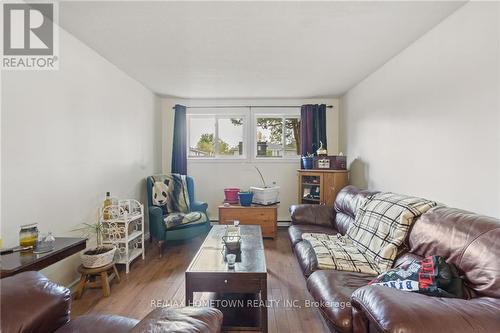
{"x":307,"y":162}
{"x":321,"y":150}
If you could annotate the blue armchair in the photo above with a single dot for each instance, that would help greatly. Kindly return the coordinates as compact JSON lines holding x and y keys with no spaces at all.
{"x":157,"y":228}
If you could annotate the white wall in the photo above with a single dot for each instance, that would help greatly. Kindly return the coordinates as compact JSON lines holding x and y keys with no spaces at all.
{"x":69,"y":136}
{"x":211,"y":177}
{"x":427,"y":122}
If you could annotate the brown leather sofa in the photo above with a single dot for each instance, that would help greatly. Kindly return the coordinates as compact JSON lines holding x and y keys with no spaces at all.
{"x":31,"y":303}
{"x":469,"y":241}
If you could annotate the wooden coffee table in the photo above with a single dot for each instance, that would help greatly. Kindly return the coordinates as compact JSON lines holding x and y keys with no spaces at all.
{"x":208,"y":272}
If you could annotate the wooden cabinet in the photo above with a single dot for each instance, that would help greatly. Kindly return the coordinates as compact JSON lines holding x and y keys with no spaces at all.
{"x":265,"y":216}
{"x":320,"y":186}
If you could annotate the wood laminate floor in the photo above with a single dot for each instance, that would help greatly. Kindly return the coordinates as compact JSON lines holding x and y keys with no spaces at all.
{"x":162,"y":279}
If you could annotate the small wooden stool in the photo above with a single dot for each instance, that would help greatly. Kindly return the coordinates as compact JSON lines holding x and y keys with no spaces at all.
{"x":90,"y":275}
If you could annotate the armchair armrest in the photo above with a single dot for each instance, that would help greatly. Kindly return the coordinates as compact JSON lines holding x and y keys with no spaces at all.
{"x":157,"y":226}
{"x":320,"y":215}
{"x":390,"y":310}
{"x":199,"y":206}
{"x":32,"y":303}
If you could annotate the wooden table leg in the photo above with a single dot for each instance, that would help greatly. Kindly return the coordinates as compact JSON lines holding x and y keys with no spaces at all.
{"x":105,"y":284}
{"x":116,"y":274}
{"x":161,"y":244}
{"x":263,"y":310}
{"x":189,"y":293}
{"x":81,"y":286}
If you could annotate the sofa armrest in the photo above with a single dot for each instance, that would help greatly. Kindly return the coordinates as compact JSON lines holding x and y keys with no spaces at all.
{"x":32,"y":303}
{"x":199,"y":206}
{"x":320,"y":215}
{"x":157,"y":227}
{"x":389,"y":310}
{"x":99,"y":323}
{"x":187,"y":319}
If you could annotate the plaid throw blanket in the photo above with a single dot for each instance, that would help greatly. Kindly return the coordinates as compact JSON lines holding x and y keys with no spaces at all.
{"x":372,"y":241}
{"x":339,"y":252}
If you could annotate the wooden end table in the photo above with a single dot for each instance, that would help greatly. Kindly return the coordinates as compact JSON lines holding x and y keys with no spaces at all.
{"x":265,"y":216}
{"x":18,"y":262}
{"x":208,"y":272}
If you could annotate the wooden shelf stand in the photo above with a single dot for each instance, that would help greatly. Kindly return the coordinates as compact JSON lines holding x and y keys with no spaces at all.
{"x":320,"y":186}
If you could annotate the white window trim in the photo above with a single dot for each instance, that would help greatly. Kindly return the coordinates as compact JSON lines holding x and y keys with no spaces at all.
{"x":216,"y":117}
{"x":283,"y":158}
{"x":249,"y":134}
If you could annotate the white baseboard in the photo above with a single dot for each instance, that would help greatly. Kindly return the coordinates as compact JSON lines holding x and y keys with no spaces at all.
{"x":72,"y":284}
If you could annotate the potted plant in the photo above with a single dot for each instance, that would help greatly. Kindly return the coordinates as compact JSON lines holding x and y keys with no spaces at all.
{"x":265,"y":195}
{"x":100,"y":255}
{"x":307,"y":161}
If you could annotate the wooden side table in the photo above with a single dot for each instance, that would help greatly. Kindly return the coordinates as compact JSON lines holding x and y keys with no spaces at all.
{"x":265,"y":216}
{"x":17,"y":262}
{"x":90,"y":276}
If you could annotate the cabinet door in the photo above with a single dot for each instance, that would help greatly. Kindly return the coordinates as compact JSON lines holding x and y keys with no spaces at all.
{"x":307,"y":182}
{"x":328,"y":188}
{"x":333,"y":183}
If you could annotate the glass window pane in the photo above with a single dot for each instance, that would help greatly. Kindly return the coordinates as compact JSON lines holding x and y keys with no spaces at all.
{"x":269,"y":135}
{"x":292,"y":136}
{"x":230,"y":137}
{"x":201,"y":136}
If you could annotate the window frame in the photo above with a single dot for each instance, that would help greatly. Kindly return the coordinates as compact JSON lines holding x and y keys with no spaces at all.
{"x":283,"y":116}
{"x":249,"y":116}
{"x":216,"y":117}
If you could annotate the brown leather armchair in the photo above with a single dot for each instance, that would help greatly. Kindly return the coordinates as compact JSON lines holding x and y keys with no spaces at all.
{"x":31,"y":303}
{"x":469,"y":241}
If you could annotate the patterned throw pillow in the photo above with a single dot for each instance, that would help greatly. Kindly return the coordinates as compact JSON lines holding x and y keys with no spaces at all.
{"x":432,"y":276}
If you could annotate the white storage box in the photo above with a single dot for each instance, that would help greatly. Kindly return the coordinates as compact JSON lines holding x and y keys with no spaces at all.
{"x":265,"y":196}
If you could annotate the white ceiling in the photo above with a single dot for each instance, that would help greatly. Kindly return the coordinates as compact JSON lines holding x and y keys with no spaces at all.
{"x":250,"y":49}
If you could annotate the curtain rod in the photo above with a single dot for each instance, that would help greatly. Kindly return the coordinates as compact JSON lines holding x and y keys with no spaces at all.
{"x":246,"y":106}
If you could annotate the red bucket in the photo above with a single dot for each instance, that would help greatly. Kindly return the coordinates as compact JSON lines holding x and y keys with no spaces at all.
{"x":231,"y":195}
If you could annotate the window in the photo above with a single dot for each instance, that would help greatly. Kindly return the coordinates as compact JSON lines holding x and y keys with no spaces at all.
{"x":216,"y":136}
{"x":277,"y":136}
{"x":201,"y":136}
{"x":240,"y":134}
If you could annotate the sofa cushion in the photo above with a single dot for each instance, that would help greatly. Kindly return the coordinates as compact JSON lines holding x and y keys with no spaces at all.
{"x":188,"y":319}
{"x":320,"y":215}
{"x":348,"y":200}
{"x":99,"y":324}
{"x":391,"y":310}
{"x":333,"y":290}
{"x":295,"y":231}
{"x":306,"y":257}
{"x":32,"y":303}
{"x":467,"y":240}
